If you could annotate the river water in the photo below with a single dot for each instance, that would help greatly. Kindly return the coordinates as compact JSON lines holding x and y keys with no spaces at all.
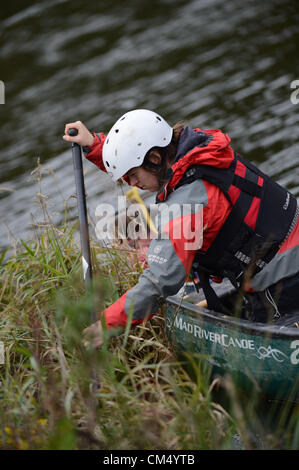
{"x":215,"y":64}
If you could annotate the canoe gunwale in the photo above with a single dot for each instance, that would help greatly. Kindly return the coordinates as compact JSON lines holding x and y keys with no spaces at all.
{"x":252,"y":328}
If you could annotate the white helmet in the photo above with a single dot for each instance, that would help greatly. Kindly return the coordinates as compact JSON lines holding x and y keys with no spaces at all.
{"x":131,"y":137}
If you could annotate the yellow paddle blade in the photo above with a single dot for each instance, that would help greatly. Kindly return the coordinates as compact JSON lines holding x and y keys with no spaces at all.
{"x":134,"y":196}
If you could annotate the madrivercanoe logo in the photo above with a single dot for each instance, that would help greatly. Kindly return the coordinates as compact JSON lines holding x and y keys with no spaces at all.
{"x":2,"y":92}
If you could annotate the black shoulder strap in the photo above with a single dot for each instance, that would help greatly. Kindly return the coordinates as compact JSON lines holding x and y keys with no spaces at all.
{"x":213,"y":301}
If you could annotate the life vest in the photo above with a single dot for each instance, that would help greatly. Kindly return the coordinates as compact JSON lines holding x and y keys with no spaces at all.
{"x":262,"y":215}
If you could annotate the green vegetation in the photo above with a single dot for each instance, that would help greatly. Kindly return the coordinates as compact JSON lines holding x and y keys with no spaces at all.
{"x":133,"y":393}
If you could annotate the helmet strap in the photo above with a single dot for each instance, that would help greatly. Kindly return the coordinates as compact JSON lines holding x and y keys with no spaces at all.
{"x":155,"y":166}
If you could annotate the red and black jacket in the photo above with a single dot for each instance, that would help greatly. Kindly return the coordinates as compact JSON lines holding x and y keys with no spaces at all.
{"x":262,"y":214}
{"x":246,"y":218}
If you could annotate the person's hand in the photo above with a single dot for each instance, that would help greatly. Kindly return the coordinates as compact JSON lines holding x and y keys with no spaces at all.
{"x":83,"y":138}
{"x":93,"y":335}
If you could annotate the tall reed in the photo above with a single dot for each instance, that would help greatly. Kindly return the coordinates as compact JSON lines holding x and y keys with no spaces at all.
{"x":145,"y":396}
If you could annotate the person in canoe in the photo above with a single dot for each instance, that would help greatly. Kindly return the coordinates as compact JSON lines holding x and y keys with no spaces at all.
{"x":249,"y":223}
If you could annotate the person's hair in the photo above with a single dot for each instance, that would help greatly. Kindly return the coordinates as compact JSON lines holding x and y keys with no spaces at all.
{"x":167,"y":153}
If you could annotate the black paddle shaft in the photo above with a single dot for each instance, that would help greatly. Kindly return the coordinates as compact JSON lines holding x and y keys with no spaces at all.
{"x":82,"y":210}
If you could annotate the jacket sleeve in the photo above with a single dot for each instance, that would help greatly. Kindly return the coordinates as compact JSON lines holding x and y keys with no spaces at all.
{"x":94,"y":152}
{"x":170,"y":257}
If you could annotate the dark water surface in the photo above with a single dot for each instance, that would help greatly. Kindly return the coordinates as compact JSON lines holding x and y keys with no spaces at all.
{"x":216,"y":64}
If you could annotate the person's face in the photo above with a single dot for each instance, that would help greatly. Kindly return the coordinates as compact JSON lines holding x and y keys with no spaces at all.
{"x":142,"y":178}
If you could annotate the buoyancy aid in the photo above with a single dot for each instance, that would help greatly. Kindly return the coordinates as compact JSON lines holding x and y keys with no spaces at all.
{"x":262,"y":214}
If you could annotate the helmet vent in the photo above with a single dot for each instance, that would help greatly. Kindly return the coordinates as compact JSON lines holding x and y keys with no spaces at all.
{"x":116,"y":130}
{"x":140,"y":143}
{"x":138,"y":158}
{"x":158,"y":117}
{"x":107,"y":163}
{"x":114,"y":167}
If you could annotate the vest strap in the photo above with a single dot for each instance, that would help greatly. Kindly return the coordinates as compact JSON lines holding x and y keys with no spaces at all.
{"x":232,"y":225}
{"x":213,"y":301}
{"x":247,"y":186}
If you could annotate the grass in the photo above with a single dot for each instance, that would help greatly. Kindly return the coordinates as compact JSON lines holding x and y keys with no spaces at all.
{"x":142,"y":397}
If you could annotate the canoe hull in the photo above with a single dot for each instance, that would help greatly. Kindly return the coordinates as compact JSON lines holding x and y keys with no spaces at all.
{"x":254,"y":354}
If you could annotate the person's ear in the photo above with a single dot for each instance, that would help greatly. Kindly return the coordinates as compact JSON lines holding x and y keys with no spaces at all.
{"x":155,"y":157}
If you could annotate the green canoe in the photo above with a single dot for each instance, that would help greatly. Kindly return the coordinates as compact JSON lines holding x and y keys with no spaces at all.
{"x":265,"y":356}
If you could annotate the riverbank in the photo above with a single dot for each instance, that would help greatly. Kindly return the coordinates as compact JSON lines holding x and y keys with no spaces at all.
{"x":144,"y":397}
